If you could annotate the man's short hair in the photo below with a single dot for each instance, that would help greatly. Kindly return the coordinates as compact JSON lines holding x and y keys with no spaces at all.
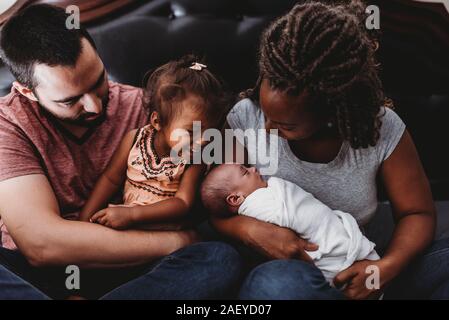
{"x":38,"y":35}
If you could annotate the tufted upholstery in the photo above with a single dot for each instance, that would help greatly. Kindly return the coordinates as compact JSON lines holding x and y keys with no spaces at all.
{"x":413,"y":53}
{"x":224,"y":32}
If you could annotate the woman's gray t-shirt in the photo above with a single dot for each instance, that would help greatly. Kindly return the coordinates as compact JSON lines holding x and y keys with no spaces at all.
{"x":347,"y":183}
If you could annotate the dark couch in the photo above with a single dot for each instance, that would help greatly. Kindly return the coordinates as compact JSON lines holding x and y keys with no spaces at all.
{"x":414,"y":54}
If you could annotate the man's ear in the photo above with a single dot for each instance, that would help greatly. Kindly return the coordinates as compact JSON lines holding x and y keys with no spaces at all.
{"x":24,"y":91}
{"x":155,"y":120}
{"x":235,"y":199}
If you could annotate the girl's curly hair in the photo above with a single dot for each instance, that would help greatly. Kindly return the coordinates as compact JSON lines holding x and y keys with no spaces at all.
{"x":173,"y":81}
{"x":326,"y":49}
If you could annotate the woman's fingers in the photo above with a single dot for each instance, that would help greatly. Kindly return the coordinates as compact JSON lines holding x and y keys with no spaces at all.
{"x":300,"y":251}
{"x":310,"y":246}
{"x":344,"y":277}
{"x":305,"y":257}
{"x":306,"y":246}
{"x":355,"y":291}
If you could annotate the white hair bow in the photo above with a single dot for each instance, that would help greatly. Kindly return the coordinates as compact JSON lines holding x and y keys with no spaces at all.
{"x":198,"y":66}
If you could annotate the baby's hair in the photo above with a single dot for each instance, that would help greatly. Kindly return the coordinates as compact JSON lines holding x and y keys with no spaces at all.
{"x":324,"y":47}
{"x":213,"y":194}
{"x":173,"y":81}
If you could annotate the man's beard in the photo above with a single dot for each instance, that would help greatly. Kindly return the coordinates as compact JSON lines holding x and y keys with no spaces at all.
{"x":81,"y":120}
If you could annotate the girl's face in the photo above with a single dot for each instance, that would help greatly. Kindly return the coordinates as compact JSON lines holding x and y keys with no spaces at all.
{"x":179,"y":133}
{"x":290,"y":115}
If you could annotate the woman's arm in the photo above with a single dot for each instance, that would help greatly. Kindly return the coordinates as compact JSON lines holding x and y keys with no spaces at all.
{"x":413,"y":208}
{"x":111,"y":180}
{"x":167,"y":210}
{"x":266,"y":238}
{"x":409,"y":192}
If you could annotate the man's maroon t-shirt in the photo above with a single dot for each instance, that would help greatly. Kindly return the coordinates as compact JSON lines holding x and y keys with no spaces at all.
{"x":33,"y":143}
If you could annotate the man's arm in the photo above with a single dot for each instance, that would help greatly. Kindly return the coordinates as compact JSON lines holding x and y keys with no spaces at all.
{"x":30,"y":212}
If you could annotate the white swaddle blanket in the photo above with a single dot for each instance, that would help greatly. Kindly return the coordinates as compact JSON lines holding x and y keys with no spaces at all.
{"x":337,"y":234}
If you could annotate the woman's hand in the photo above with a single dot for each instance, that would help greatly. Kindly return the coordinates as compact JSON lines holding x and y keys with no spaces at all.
{"x":277,"y":242}
{"x":114,"y":217}
{"x":365,"y":279}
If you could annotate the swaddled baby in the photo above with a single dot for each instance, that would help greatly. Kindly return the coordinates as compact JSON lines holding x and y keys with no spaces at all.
{"x":231,"y":189}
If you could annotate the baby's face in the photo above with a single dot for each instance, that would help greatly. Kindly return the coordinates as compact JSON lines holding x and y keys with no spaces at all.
{"x":245,"y":180}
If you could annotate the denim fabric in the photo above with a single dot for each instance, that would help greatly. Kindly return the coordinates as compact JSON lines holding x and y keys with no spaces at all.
{"x":287,"y":280}
{"x":207,"y":270}
{"x":14,"y":288}
{"x":425,"y":278}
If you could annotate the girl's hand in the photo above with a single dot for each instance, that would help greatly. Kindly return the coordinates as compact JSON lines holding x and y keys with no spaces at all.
{"x":114,"y":217}
{"x":364,"y":279}
{"x":278,"y":243}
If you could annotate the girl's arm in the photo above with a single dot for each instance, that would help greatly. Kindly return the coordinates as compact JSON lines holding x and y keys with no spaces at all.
{"x":111,"y":180}
{"x":169,"y":210}
{"x":176,"y":207}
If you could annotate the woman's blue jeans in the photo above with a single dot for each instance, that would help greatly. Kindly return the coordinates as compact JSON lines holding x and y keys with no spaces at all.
{"x":426,"y":278}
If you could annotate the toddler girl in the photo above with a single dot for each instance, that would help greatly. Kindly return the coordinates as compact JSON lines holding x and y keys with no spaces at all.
{"x":160,"y":185}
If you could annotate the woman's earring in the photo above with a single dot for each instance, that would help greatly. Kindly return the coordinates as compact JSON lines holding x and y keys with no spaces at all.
{"x":330,"y":124}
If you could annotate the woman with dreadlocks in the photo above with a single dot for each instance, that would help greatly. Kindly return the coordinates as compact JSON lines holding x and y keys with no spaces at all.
{"x":319,"y":87}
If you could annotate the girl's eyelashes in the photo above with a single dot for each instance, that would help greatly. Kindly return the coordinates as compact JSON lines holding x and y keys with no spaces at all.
{"x":283,"y":126}
{"x":288,"y":128}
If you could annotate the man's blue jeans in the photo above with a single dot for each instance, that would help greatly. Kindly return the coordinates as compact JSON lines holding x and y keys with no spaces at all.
{"x":14,"y":288}
{"x":207,"y":270}
{"x":425,"y":278}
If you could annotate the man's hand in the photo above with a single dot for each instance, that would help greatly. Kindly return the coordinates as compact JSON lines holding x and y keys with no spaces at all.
{"x":355,"y":279}
{"x":114,"y":217}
